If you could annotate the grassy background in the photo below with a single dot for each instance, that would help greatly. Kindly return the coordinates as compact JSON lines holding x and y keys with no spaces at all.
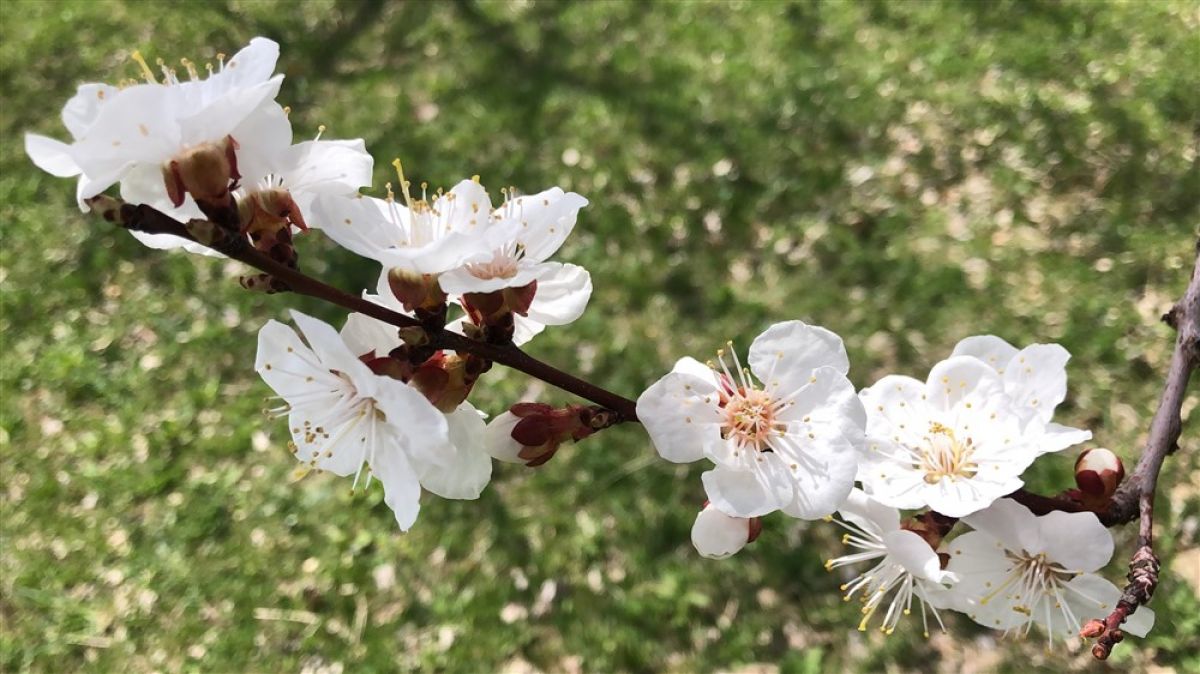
{"x":905,"y":173}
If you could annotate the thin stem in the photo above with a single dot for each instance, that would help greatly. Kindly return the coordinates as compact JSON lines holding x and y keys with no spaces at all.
{"x":1135,"y":498}
{"x":145,"y":218}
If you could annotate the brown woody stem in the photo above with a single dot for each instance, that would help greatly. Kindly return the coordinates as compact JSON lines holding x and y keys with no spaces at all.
{"x":144,"y":218}
{"x":1135,"y":497}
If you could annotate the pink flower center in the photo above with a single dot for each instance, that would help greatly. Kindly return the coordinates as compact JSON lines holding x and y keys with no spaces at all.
{"x":750,"y":418}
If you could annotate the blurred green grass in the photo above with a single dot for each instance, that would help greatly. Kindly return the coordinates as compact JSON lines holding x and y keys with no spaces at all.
{"x":905,"y":173}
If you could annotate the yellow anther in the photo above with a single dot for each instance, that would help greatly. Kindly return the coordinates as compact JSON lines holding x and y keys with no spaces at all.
{"x":475,"y":178}
{"x":141,"y":61}
{"x":287,"y":109}
{"x":403,"y":181}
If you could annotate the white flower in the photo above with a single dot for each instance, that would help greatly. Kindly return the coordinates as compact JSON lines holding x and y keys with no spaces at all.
{"x":905,"y":565}
{"x":791,"y":444}
{"x":464,"y":467}
{"x":141,"y":127}
{"x":473,"y":248}
{"x":128,"y":135}
{"x":716,"y":535}
{"x":1017,"y":569}
{"x":344,"y":419}
{"x":1035,"y":378}
{"x":423,"y":237}
{"x":955,"y":443}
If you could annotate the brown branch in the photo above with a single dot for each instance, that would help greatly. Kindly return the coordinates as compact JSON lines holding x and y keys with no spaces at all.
{"x":145,"y":218}
{"x":1135,"y":498}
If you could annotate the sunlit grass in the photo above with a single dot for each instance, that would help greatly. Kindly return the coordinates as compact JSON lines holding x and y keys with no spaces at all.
{"x":905,"y":174}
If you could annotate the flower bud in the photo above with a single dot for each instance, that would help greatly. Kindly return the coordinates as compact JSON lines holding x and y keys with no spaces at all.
{"x":531,"y":433}
{"x":1098,"y":472}
{"x":265,"y":212}
{"x":205,"y":171}
{"x":415,"y":291}
{"x":716,"y":535}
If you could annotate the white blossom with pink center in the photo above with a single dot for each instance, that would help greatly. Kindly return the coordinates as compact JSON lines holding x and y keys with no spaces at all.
{"x":784,"y":434}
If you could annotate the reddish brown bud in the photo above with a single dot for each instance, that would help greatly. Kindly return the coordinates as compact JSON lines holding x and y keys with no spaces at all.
{"x":416,"y":291}
{"x":1092,"y":629}
{"x":1098,"y":473}
{"x":206,"y":171}
{"x":541,"y":429}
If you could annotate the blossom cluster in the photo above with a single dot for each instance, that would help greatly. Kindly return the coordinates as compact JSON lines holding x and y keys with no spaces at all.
{"x":785,"y":431}
{"x":789,"y":433}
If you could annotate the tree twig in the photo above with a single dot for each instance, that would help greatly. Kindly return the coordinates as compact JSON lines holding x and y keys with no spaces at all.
{"x":147,"y":219}
{"x":1135,"y":497}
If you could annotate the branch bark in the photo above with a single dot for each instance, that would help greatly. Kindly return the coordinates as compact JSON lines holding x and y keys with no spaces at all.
{"x":1135,"y":497}
{"x":145,"y":218}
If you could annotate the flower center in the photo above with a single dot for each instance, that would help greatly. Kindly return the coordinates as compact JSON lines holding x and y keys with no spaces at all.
{"x":505,"y":263}
{"x":750,"y":418}
{"x":944,"y":455}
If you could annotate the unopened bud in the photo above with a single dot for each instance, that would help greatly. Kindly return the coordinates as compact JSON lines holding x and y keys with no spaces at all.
{"x":263,"y":213}
{"x":415,"y":291}
{"x":716,"y":535}
{"x":531,"y":433}
{"x":205,"y":171}
{"x":1098,"y":472}
{"x":1092,"y":629}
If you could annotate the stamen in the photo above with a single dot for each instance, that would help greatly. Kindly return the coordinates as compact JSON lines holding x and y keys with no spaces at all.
{"x":147,"y":73}
{"x":403,"y":182}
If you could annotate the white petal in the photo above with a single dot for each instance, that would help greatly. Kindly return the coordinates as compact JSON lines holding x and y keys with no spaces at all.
{"x":1056,"y":437}
{"x":498,"y":440}
{"x":962,"y":380}
{"x":211,"y":120}
{"x":869,"y":514}
{"x":717,"y":535}
{"x":1089,"y":586}
{"x":464,"y":208}
{"x":288,"y":365}
{"x":547,"y":218}
{"x":681,"y":415}
{"x":364,"y":334}
{"x":821,"y":478}
{"x":461,"y":281}
{"x":786,"y":354}
{"x":1036,"y":379}
{"x":959,"y":497}
{"x":1010,"y":523}
{"x":339,"y":449}
{"x":326,"y":167}
{"x":897,"y":411}
{"x":251,"y":65}
{"x":1077,"y":541}
{"x":172,"y":242}
{"x":81,"y":111}
{"x":990,"y":349}
{"x":691,"y":366}
{"x":826,"y":404}
{"x":562,"y":293}
{"x":263,"y":135}
{"x":1093,"y":597}
{"x":741,"y":493}
{"x":401,"y":489}
{"x":422,"y":429}
{"x":52,"y":156}
{"x":914,"y":554}
{"x":470,"y":468}
{"x":331,"y":350}
{"x":525,"y":329}
{"x":117,"y":139}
